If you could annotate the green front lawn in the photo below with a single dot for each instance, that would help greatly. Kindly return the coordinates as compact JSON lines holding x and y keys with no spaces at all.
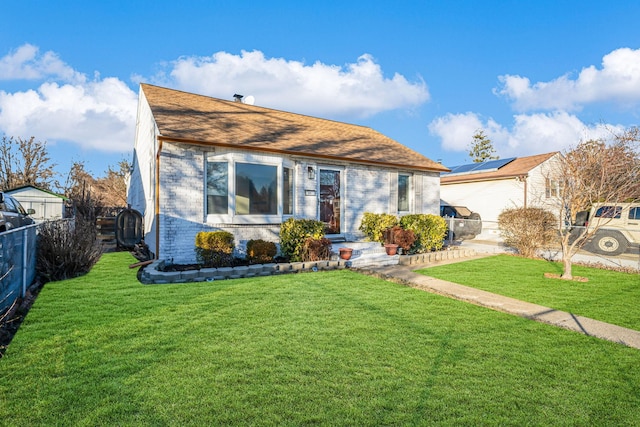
{"x":608,"y":296}
{"x":329,"y":348}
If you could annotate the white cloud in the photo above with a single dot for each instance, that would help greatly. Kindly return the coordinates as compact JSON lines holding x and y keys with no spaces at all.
{"x":25,"y":63}
{"x":528,"y":135}
{"x":618,"y":80}
{"x":96,"y":115}
{"x":456,"y":130}
{"x":358,"y":89}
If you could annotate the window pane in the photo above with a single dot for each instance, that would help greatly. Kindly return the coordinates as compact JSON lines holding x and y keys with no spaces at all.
{"x":217,"y":188}
{"x":609,"y":212}
{"x":287,"y":191}
{"x":256,"y":189}
{"x":634,"y":213}
{"x":403,"y":193}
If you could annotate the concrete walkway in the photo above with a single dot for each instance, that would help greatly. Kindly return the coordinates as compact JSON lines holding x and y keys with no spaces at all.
{"x":584,"y":325}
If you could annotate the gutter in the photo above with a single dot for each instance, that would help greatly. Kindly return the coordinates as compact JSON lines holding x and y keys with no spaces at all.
{"x":437,"y":168}
{"x":157,"y":197}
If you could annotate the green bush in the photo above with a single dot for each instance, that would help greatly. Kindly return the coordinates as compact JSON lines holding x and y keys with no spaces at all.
{"x":215,"y":248}
{"x":528,"y":229}
{"x":294,"y":232}
{"x":261,"y":251}
{"x":316,"y":249}
{"x":374,"y":225}
{"x":429,"y":231}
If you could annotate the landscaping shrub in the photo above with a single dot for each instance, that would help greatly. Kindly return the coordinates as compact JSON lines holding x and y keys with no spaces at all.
{"x":261,"y":251}
{"x":316,"y":249}
{"x":66,"y":249}
{"x":374,"y":225}
{"x":215,"y":248}
{"x":429,"y":231}
{"x":293,"y":234}
{"x":401,"y":237}
{"x":528,"y":230}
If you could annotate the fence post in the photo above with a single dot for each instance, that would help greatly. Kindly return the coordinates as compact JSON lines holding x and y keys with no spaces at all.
{"x":25,"y":244}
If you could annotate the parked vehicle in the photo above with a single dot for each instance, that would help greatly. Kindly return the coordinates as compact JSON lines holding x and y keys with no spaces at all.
{"x":616,"y":225}
{"x":12,"y":214}
{"x":462,"y":222}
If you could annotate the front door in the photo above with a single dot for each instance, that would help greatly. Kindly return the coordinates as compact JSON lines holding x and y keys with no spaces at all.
{"x":330,"y":200}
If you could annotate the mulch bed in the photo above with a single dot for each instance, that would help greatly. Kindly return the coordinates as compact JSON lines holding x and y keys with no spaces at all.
{"x":559,"y":276}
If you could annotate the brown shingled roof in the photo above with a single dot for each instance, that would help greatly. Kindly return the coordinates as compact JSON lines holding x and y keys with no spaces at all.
{"x":191,"y":118}
{"x":518,"y":167}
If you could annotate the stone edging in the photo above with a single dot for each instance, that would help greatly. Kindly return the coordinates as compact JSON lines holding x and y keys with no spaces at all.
{"x":153,"y":274}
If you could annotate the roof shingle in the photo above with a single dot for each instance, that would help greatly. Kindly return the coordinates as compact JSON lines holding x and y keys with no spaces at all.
{"x":191,"y":118}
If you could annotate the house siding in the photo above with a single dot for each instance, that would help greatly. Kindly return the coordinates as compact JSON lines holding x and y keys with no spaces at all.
{"x":490,"y":197}
{"x":182,"y":202}
{"x":141,"y":185}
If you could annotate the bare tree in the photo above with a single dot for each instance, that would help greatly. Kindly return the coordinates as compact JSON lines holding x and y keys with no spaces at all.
{"x":113,"y":187}
{"x":595,"y":171}
{"x":90,"y":194}
{"x":25,"y":162}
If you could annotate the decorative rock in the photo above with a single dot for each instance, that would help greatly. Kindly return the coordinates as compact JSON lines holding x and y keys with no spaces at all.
{"x":255,"y":270}
{"x":225,"y":272}
{"x":208,"y":273}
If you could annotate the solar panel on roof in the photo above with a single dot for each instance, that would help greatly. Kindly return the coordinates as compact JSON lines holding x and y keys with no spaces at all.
{"x":491,"y":165}
{"x":462,"y":168}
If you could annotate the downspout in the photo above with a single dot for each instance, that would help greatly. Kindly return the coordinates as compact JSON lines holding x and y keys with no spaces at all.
{"x":157,"y":198}
{"x":524,"y":180}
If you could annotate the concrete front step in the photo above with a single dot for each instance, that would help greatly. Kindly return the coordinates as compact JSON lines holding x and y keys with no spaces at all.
{"x":367,"y":254}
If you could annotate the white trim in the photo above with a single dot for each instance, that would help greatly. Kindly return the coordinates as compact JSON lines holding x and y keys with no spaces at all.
{"x":232,"y":158}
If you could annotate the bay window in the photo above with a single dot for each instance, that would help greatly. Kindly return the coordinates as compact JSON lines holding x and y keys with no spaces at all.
{"x":243,"y":188}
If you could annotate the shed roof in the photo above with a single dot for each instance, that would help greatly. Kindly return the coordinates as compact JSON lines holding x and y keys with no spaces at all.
{"x":27,"y":187}
{"x":191,"y":118}
{"x":517,"y":167}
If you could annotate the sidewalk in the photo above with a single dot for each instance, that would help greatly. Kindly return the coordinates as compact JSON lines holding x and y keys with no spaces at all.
{"x":584,"y":325}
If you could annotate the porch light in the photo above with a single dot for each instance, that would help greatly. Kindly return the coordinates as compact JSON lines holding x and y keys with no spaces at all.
{"x":311,"y":172}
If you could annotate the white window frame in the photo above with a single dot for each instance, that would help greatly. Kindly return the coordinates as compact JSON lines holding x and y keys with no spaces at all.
{"x":409,"y":193}
{"x":232,"y":159}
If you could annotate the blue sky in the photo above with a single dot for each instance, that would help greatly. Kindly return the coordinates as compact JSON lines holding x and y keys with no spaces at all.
{"x":536,"y":76}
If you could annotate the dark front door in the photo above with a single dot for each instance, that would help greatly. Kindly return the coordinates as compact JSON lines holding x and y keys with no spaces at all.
{"x":330,"y":200}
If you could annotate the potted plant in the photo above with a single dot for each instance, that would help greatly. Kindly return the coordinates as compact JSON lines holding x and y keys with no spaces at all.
{"x":345,"y":253}
{"x":396,"y":237}
{"x":390,"y":246}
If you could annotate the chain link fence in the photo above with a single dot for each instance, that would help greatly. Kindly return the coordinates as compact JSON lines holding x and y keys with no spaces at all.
{"x":17,"y":264}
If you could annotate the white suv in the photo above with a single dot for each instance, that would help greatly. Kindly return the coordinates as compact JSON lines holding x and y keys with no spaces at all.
{"x":617,"y":227}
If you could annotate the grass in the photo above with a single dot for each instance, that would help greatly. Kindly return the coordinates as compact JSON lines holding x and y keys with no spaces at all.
{"x":608,"y":296}
{"x":330,"y":348}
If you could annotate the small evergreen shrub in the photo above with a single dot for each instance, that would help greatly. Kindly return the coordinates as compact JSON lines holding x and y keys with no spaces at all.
{"x":429,"y":231}
{"x":261,"y":251}
{"x":316,"y":249}
{"x":215,"y":248}
{"x":374,"y":225}
{"x":294,"y":232}
{"x":528,"y":230}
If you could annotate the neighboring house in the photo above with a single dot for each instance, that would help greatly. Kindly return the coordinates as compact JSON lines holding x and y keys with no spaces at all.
{"x":47,"y":204}
{"x":203,"y":164}
{"x":491,"y":187}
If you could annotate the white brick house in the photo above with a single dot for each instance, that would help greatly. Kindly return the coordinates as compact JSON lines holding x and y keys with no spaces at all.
{"x":204,"y":164}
